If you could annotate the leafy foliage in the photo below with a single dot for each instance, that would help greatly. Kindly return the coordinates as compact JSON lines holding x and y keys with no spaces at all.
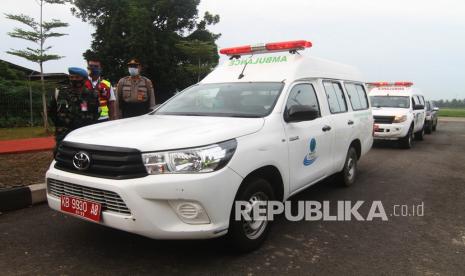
{"x":35,"y":35}
{"x":14,"y":97}
{"x":167,"y":36}
{"x":454,"y":103}
{"x":38,"y":33}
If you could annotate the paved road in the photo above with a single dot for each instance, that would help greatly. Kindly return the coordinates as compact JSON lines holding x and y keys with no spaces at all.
{"x":39,"y":241}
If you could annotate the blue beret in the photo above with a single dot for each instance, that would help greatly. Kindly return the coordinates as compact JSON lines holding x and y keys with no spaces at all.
{"x":78,"y":71}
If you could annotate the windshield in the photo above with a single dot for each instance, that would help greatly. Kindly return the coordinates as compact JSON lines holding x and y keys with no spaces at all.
{"x":390,"y":101}
{"x":224,"y":99}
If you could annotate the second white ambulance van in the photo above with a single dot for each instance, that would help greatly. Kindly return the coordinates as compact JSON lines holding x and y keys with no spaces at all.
{"x":399,"y":112}
{"x":267,"y":124}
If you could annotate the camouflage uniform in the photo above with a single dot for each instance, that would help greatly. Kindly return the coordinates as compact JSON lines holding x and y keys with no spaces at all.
{"x":72,"y":109}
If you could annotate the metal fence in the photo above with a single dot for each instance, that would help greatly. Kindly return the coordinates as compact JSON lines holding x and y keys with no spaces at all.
{"x":21,"y":106}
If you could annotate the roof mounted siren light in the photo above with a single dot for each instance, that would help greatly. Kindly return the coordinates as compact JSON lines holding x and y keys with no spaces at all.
{"x":384,"y":84}
{"x":291,"y":46}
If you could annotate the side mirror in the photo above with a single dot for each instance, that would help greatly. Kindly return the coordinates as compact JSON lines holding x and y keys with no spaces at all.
{"x":299,"y":113}
{"x":418,"y":107}
{"x":435,"y":108}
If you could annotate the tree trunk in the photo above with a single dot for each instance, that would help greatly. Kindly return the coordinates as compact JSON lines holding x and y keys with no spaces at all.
{"x":198,"y":73}
{"x":44,"y":98}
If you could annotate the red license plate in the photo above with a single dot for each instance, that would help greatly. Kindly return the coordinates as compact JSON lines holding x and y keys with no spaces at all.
{"x":80,"y":207}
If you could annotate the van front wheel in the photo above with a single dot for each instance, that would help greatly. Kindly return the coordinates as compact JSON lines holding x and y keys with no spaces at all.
{"x":407,"y":141}
{"x":349,"y":172}
{"x":420,"y":134}
{"x":247,"y":235}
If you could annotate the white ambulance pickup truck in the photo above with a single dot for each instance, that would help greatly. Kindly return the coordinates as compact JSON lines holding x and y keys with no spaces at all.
{"x":399,"y":112}
{"x":265,"y":125}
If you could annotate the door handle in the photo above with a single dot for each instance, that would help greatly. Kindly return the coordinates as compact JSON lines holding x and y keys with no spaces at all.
{"x":293,"y":138}
{"x":350,"y":122}
{"x":326,"y":128}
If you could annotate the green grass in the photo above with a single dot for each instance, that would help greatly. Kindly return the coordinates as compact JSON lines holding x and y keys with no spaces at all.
{"x":452,"y":112}
{"x":22,"y":133}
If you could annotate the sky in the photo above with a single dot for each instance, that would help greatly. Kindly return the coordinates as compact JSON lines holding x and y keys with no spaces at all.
{"x":387,"y":40}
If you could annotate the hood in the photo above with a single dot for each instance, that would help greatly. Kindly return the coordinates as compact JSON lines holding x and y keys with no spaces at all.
{"x":389,"y":111}
{"x":164,"y":132}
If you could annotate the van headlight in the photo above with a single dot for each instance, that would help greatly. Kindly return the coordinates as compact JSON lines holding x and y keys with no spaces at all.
{"x":400,"y":119}
{"x":194,"y":160}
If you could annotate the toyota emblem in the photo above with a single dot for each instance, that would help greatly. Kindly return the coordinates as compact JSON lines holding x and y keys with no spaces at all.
{"x":81,"y":161}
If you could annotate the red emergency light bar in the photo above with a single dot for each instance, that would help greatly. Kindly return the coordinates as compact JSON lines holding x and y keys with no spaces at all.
{"x":268,"y":47}
{"x":397,"y":83}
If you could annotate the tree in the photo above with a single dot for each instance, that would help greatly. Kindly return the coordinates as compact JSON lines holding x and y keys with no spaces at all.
{"x":38,"y":33}
{"x":200,"y":56}
{"x":167,"y":36}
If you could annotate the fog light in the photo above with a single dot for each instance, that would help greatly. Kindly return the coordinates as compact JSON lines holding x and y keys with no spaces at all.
{"x":190,"y":212}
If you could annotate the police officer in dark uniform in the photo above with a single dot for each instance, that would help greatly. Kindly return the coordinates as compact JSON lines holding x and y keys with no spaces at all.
{"x":74,"y":105}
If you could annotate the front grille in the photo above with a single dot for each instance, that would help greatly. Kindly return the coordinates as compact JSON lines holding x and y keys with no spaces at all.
{"x":383,"y":119}
{"x":105,"y":162}
{"x":110,"y":201}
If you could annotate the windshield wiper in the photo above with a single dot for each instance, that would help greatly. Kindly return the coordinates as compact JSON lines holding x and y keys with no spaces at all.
{"x":183,"y":114}
{"x":243,"y":116}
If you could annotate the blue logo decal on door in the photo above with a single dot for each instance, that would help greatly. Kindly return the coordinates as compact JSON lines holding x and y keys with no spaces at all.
{"x":311,"y":155}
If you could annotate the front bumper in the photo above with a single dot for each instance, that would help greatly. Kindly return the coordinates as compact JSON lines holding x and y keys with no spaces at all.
{"x":390,"y":131}
{"x":148,"y":199}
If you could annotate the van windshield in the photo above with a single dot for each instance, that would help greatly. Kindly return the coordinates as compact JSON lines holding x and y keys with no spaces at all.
{"x":224,"y":99}
{"x":390,"y":101}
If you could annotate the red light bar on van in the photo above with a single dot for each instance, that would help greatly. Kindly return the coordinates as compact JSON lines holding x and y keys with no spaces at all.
{"x":268,"y":47}
{"x":288,"y":45}
{"x":236,"y":50}
{"x":403,"y":83}
{"x":397,"y":83}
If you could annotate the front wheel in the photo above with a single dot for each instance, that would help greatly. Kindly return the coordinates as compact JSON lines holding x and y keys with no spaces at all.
{"x":349,"y":172}
{"x":429,"y":128}
{"x":247,"y":235}
{"x":407,"y":141}
{"x":420,"y":134}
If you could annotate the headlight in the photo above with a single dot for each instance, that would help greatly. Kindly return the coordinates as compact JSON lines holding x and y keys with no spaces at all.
{"x":196,"y":160}
{"x":400,"y":119}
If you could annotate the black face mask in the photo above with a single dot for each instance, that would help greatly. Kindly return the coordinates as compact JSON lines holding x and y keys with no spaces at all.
{"x":76,"y":83}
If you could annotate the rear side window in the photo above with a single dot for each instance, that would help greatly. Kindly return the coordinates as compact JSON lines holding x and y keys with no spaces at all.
{"x":422,"y":100}
{"x":336,"y":99}
{"x":357,"y":96}
{"x":303,"y":94}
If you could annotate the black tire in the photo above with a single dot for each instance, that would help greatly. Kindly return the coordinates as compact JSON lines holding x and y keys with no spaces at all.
{"x":429,"y":128}
{"x":435,"y":125}
{"x":420,"y":135}
{"x":241,"y":236}
{"x":408,"y":141}
{"x":349,"y":173}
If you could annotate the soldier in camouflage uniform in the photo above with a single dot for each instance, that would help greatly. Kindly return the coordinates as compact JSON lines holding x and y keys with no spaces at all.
{"x":73,"y":106}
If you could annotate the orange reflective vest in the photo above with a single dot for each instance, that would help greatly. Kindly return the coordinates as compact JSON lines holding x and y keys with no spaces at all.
{"x":103,"y":88}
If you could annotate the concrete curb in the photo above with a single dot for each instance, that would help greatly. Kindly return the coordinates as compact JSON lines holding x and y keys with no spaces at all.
{"x":21,"y":197}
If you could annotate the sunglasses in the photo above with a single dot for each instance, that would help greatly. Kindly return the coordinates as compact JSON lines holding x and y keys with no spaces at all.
{"x":133,"y":65}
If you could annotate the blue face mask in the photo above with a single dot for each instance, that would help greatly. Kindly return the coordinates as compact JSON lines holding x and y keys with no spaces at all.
{"x":133,"y":71}
{"x":96,"y":72}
